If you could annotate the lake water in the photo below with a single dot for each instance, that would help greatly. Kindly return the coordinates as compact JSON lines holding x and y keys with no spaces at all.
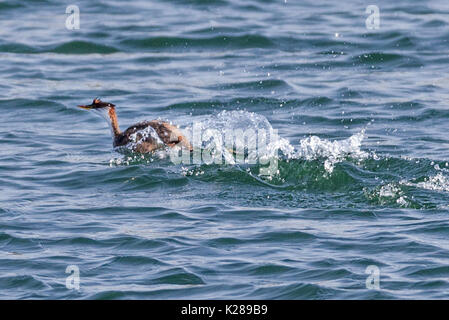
{"x":357,"y":208}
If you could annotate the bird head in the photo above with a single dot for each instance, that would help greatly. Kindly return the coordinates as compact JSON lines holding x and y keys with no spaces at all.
{"x":97,"y":104}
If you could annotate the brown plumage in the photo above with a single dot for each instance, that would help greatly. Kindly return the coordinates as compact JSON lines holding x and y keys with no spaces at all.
{"x":135,"y":135}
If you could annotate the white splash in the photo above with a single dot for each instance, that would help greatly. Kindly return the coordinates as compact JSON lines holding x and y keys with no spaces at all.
{"x":313,"y":148}
{"x":240,"y":131}
{"x":389,"y":193}
{"x":389,"y":190}
{"x":243,"y":129}
{"x":439,"y":182}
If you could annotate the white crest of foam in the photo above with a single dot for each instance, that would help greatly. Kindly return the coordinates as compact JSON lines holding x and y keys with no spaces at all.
{"x":313,"y":148}
{"x":438,"y":182}
{"x":217,"y":130}
{"x":389,"y":193}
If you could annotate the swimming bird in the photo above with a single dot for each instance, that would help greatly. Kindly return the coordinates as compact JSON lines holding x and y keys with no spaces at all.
{"x":145,"y":136}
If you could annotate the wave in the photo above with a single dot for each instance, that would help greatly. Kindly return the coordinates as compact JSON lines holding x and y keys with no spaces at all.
{"x":217,"y":136}
{"x":71,"y":47}
{"x":272,"y":84}
{"x":22,"y":281}
{"x":372,"y":59}
{"x":90,"y":47}
{"x":82,"y":47}
{"x":313,"y":164}
{"x":8,"y":5}
{"x":225,"y":41}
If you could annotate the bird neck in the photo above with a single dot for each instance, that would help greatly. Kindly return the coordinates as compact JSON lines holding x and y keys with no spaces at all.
{"x":114,"y":122}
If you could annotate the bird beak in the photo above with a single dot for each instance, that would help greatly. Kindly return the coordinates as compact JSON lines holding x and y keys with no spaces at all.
{"x":86,"y":107}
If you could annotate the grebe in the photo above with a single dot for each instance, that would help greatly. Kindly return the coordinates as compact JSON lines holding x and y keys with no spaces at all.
{"x":142,"y":141}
